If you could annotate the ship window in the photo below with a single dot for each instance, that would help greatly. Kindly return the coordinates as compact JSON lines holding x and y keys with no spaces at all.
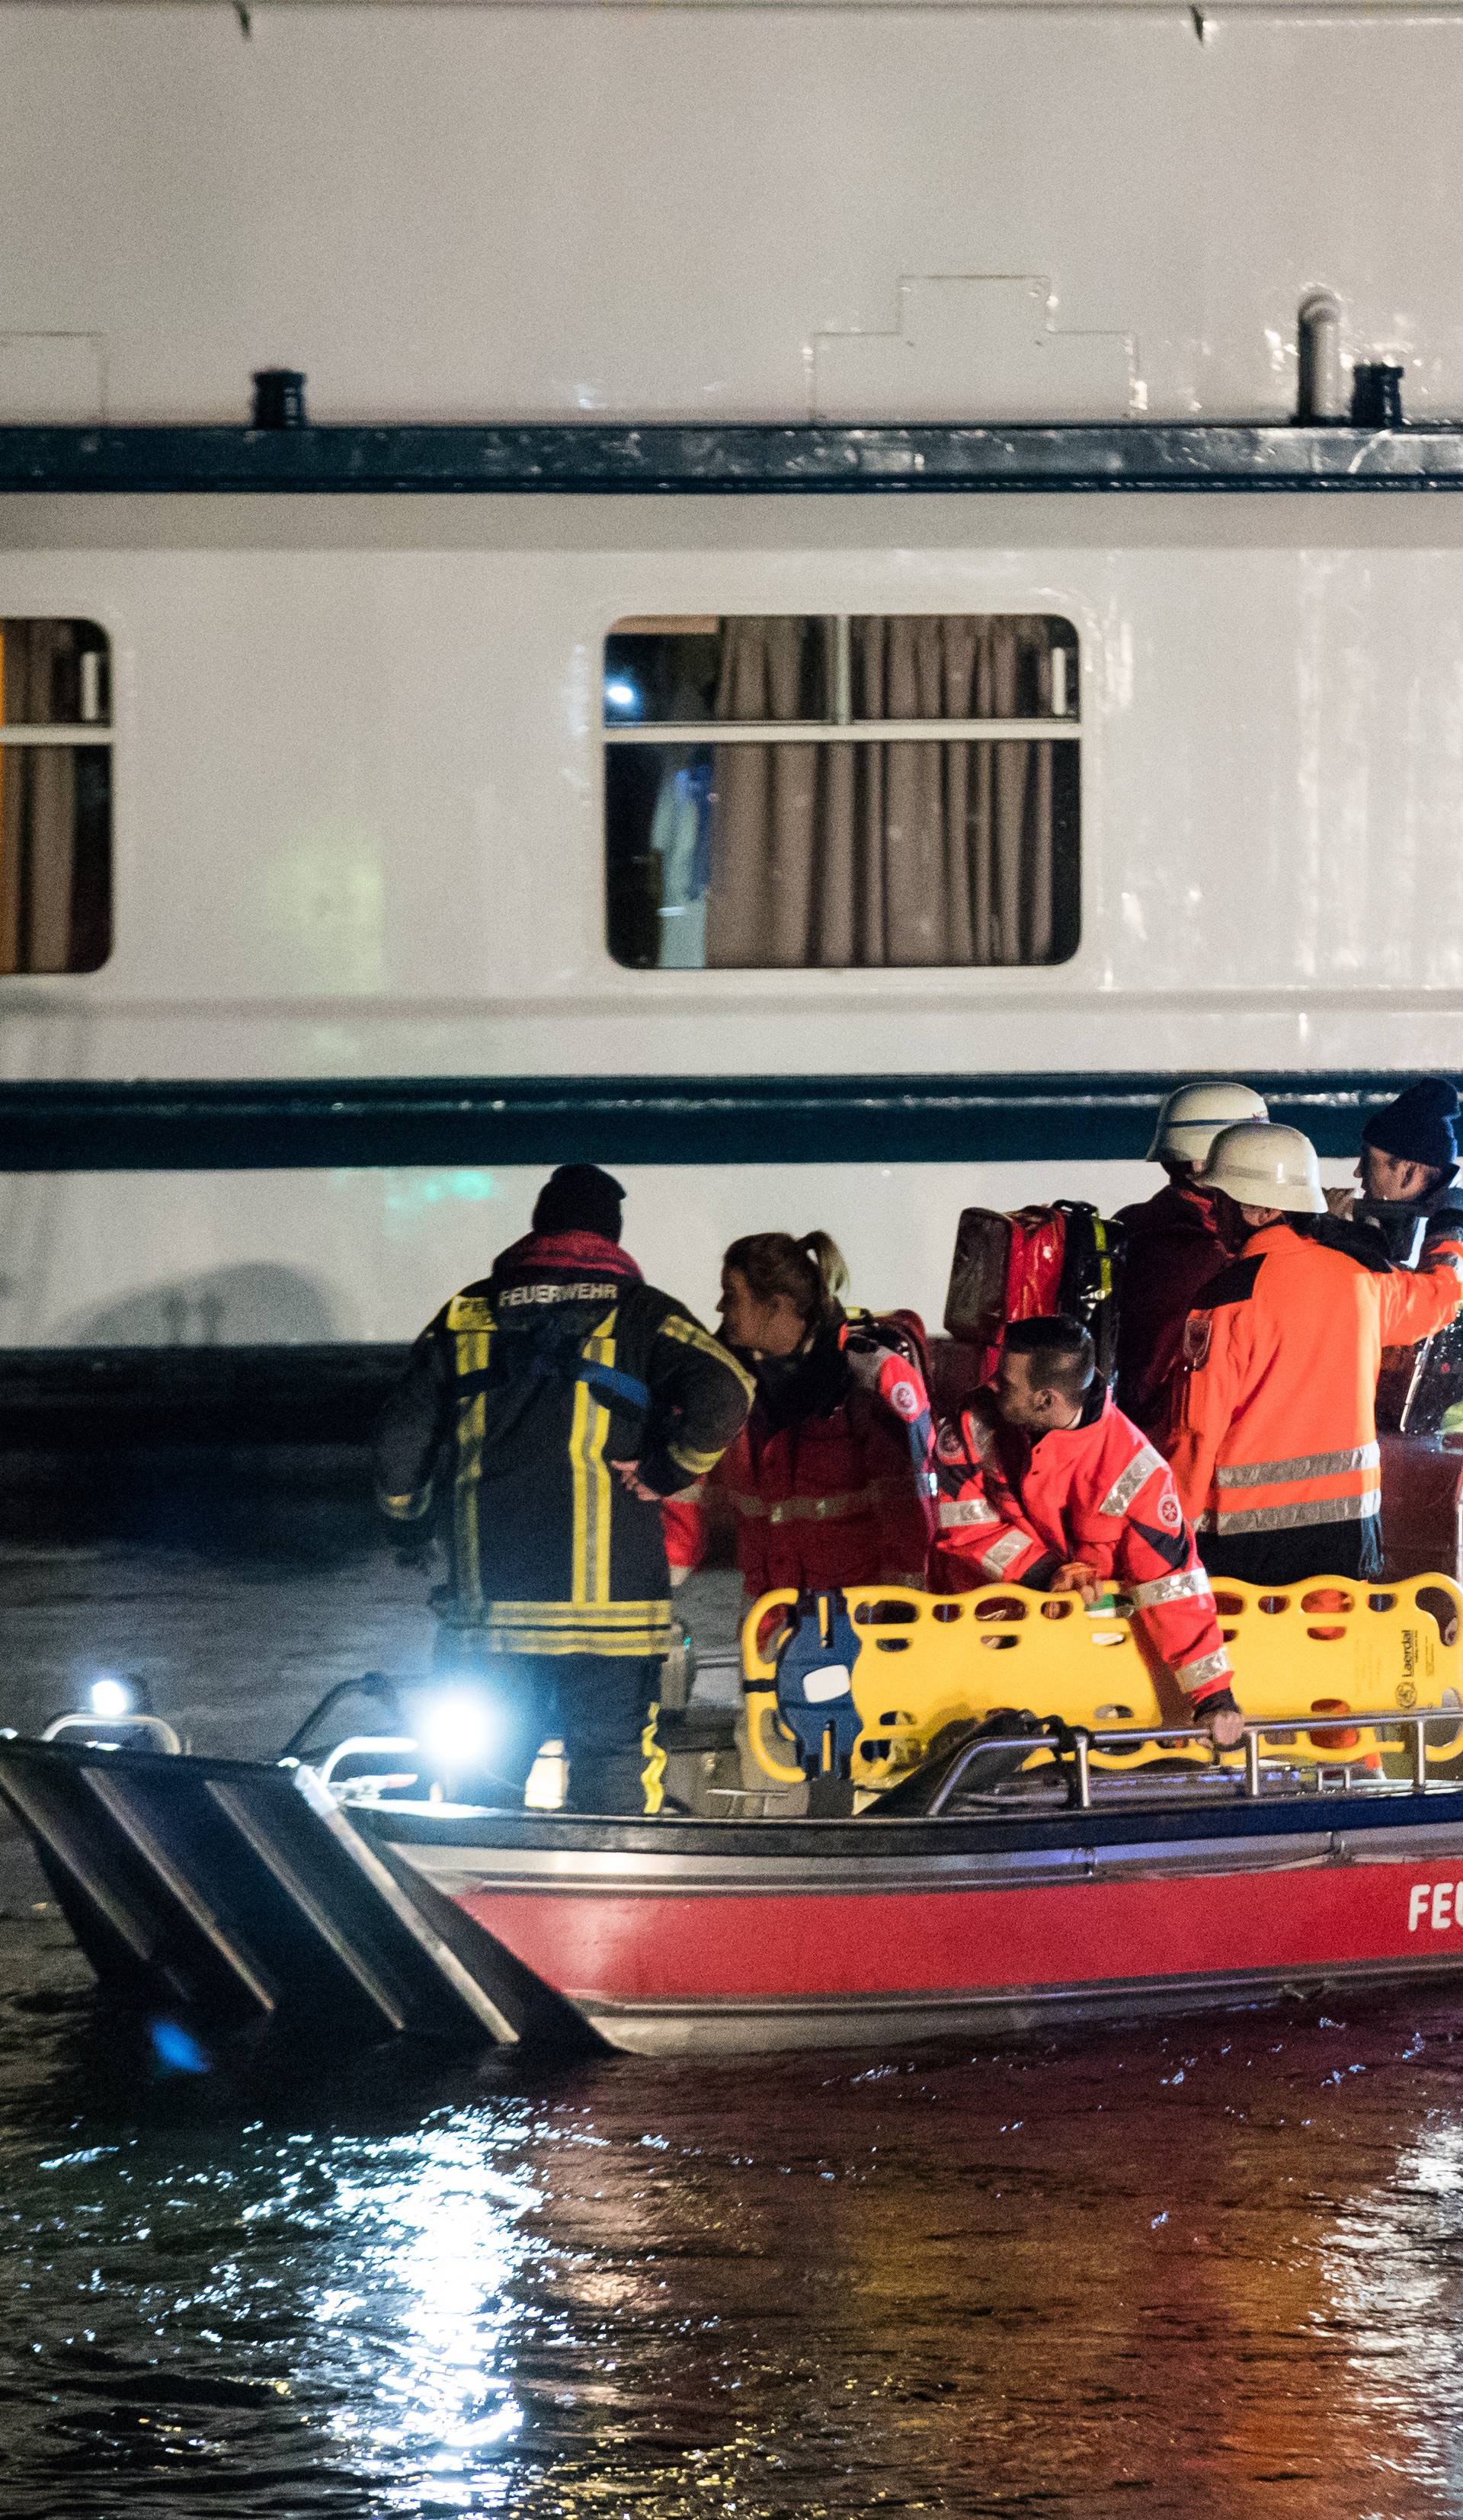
{"x":842,"y":791}
{"x":55,"y":796}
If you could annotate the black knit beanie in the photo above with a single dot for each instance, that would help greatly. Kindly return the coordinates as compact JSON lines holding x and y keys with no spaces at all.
{"x":1418,"y":1127}
{"x":579,"y":1199}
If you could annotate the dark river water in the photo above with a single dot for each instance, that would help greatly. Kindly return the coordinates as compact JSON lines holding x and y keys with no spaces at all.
{"x":1216,"y":2267}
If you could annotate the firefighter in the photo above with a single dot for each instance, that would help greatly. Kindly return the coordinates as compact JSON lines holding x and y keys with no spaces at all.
{"x":1408,"y":1165}
{"x":830,"y":1480}
{"x":1044,"y":1481}
{"x":1274,"y":1446}
{"x":1170,"y":1248}
{"x":542,"y":1416}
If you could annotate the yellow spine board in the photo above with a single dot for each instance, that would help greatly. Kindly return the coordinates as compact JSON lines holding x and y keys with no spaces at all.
{"x":928,"y":1661}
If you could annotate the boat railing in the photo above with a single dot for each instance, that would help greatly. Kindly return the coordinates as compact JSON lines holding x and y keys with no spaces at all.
{"x":1076,"y":1742}
{"x":366,"y":1745}
{"x":135,"y":1729}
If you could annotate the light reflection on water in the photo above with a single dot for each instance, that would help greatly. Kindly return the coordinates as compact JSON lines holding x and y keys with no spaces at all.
{"x":437,"y":2233}
{"x":1211,"y":2268}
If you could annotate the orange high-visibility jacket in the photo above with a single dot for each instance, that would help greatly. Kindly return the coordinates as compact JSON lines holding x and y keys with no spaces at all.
{"x":1276,"y":1420}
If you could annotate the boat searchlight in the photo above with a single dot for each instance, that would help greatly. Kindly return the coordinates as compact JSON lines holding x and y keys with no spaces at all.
{"x":456,"y":1729}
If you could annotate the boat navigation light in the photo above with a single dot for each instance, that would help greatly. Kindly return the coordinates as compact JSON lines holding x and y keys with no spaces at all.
{"x":455,"y":1730}
{"x":110,"y":1697}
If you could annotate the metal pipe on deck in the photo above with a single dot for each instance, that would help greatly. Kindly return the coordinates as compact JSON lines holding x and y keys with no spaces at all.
{"x":1322,"y":393}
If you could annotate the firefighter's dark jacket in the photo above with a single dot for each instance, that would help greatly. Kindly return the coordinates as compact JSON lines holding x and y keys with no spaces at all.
{"x":517,"y":1402}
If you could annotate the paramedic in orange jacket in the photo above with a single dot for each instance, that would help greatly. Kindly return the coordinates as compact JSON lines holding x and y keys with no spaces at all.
{"x":830,"y":1479}
{"x":1274,"y":1446}
{"x":1042,"y":1481}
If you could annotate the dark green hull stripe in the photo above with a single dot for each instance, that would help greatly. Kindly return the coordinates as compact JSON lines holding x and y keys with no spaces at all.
{"x":308,"y":1125}
{"x":598,"y":458}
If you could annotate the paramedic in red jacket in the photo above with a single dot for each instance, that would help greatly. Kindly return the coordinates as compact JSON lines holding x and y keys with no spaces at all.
{"x":1171,"y":1247}
{"x":1042,"y":1481}
{"x":831,"y":1478}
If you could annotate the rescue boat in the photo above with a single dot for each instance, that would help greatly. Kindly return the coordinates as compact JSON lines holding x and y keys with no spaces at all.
{"x":1013,"y":1868}
{"x":688,"y":1936}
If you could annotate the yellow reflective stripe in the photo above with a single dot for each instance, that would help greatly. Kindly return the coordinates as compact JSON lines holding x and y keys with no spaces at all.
{"x":1103,"y":1249}
{"x":1002,"y":1554}
{"x":1293,"y":1517}
{"x":653,"y":1643}
{"x":579,"y":1475}
{"x":1194,"y":1585}
{"x":571,"y":1614}
{"x":1210,"y":1666}
{"x":834,"y":1508}
{"x":831,"y":1509}
{"x":691,"y":1335}
{"x":696,"y":1464}
{"x":588,"y":1634}
{"x":652,"y":1765}
{"x":406,"y":1509}
{"x":1129,"y":1482}
{"x":471,"y":1313}
{"x":626,"y":1643}
{"x":589,"y":1564}
{"x":1300,"y":1466}
{"x":602,"y":1352}
{"x":472,"y":1350}
{"x":966,"y":1514}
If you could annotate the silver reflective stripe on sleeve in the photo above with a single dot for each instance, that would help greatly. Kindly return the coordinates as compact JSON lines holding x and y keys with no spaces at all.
{"x":1125,"y":1486}
{"x":1003,"y":1552}
{"x":964,"y":1513}
{"x":1305,"y":1465}
{"x":1296,"y":1517}
{"x":1192,"y":1587}
{"x":1214,"y":1666}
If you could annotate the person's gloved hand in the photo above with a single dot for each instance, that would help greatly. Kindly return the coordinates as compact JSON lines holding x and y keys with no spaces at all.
{"x":1219,"y":1714}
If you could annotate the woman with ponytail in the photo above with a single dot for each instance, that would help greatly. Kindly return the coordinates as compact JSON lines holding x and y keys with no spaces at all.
{"x":830,"y":1478}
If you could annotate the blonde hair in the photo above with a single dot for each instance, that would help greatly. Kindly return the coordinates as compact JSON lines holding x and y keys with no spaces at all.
{"x":809,"y":1269}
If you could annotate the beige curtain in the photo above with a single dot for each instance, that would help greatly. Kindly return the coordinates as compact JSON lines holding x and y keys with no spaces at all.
{"x":37,"y":800}
{"x":834,"y":855}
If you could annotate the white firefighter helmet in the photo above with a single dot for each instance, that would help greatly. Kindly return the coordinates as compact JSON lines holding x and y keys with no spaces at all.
{"x":1261,"y":1164}
{"x":1194,"y":1115}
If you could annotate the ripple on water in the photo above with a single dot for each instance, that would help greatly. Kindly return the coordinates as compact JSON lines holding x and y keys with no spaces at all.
{"x":1208,"y":2268}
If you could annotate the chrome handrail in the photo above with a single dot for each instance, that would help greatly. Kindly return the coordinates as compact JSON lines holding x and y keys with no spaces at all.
{"x":1084,"y":1738}
{"x":100,"y":1728}
{"x":357,"y":1743}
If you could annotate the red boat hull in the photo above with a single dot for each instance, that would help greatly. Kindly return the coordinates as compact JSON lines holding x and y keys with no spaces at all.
{"x":829,"y":1952}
